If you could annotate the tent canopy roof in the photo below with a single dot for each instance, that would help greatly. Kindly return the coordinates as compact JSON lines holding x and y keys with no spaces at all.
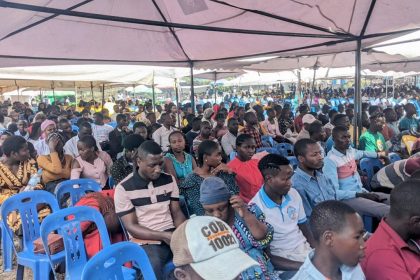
{"x":206,"y":32}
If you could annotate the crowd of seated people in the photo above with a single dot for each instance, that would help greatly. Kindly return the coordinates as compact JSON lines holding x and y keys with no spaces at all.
{"x":299,"y":216}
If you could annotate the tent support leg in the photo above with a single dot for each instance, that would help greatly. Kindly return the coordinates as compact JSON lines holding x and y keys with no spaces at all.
{"x":153,"y":92}
{"x":214,"y":88}
{"x":192,"y":97}
{"x":357,"y":122}
{"x":177,"y":102}
{"x":103,"y":95}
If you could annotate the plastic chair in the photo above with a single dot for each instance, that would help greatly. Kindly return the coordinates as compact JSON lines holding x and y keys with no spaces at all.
{"x":370,"y":166}
{"x":25,"y":204}
{"x":293,"y":161}
{"x":108,"y":263}
{"x":393,"y":157}
{"x":113,"y":124}
{"x":232,"y":156}
{"x":6,"y":249}
{"x":408,"y":141}
{"x":268,"y":139}
{"x":67,"y":223}
{"x":285,"y":149}
{"x":75,"y":128}
{"x":76,"y":189}
{"x":267,"y":149}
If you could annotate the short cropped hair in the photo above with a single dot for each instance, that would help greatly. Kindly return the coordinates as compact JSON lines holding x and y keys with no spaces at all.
{"x":338,"y":129}
{"x":132,"y":142}
{"x":148,"y":147}
{"x":301,"y":146}
{"x":13,"y":144}
{"x":405,"y":199}
{"x":271,"y":164}
{"x":329,"y":215}
{"x":315,"y":127}
{"x":242,"y":138}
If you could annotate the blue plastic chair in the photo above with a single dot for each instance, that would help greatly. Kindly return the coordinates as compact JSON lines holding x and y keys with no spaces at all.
{"x":268,"y":139}
{"x":370,"y":166}
{"x":6,"y":249}
{"x":293,"y":161}
{"x":67,"y":224}
{"x":76,"y":189}
{"x":108,"y":263}
{"x":113,"y":124}
{"x":267,"y":149}
{"x":393,"y":157}
{"x":25,"y":204}
{"x":285,"y":149}
{"x":75,"y":128}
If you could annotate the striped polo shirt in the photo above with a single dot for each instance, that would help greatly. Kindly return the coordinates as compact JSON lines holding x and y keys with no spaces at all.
{"x":149,"y":199}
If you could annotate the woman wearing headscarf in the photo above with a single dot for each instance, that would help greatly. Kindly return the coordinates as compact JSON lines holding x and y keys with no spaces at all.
{"x":56,"y":166}
{"x":41,"y":146}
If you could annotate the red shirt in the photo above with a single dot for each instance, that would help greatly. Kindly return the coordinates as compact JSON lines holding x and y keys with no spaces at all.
{"x":248,"y":177}
{"x":388,"y":257}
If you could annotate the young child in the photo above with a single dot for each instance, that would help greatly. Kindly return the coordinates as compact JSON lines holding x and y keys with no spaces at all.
{"x":339,"y":244}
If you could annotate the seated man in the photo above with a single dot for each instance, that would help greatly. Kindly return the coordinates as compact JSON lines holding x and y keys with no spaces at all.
{"x":312,"y":185}
{"x":148,"y":203}
{"x":307,"y":120}
{"x":317,"y":133}
{"x":338,"y":232}
{"x":393,"y":251}
{"x":283,"y":208}
{"x":395,"y":173}
{"x":340,"y":165}
{"x":372,"y":139}
{"x":195,"y":257}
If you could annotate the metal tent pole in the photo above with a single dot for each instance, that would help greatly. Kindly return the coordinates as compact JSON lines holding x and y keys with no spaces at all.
{"x":153,"y":92}
{"x":177,"y":101}
{"x":103,"y":95}
{"x":192,"y":96}
{"x":91,"y":90}
{"x":53,"y":90}
{"x":214,"y":87}
{"x":357,"y":123}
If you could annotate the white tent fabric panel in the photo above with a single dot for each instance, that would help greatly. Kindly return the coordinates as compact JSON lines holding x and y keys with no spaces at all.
{"x":164,"y":32}
{"x":337,"y":60}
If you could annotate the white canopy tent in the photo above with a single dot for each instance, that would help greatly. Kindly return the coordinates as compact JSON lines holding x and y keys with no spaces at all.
{"x":184,"y":32}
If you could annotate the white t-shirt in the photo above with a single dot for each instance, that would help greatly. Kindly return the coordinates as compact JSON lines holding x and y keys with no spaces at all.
{"x":101,"y":132}
{"x":285,"y":219}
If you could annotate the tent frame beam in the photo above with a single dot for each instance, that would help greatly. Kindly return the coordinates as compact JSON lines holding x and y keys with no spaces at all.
{"x":280,"y":18}
{"x":48,"y":10}
{"x":43,"y":20}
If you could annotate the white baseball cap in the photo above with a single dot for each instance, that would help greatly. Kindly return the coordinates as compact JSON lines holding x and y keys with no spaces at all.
{"x":210,"y":247}
{"x":308,"y":118}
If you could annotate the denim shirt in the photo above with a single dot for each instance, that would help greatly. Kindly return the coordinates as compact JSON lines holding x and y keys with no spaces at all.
{"x":336,"y":163}
{"x":313,"y":190}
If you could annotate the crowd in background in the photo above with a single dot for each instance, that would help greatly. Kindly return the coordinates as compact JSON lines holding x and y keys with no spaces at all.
{"x":296,"y":216}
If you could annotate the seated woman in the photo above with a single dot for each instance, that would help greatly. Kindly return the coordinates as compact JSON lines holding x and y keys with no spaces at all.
{"x":41,"y":146}
{"x":103,"y":202}
{"x":177,"y":162}
{"x":209,"y":161}
{"x":56,"y":166}
{"x":245,"y":166}
{"x":3,"y":136}
{"x":91,"y":163}
{"x":247,"y":222}
{"x":16,"y":169}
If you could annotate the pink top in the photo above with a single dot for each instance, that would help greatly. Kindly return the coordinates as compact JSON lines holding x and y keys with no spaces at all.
{"x":97,"y":171}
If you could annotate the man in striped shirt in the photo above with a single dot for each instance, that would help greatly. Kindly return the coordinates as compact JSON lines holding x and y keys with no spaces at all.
{"x":148,"y":203}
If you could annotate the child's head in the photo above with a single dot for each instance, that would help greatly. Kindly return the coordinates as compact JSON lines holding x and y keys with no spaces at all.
{"x":337,"y":228}
{"x":277,"y":174}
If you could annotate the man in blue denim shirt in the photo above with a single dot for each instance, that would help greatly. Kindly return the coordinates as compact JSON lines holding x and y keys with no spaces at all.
{"x":312,"y":185}
{"x":340,"y":166}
